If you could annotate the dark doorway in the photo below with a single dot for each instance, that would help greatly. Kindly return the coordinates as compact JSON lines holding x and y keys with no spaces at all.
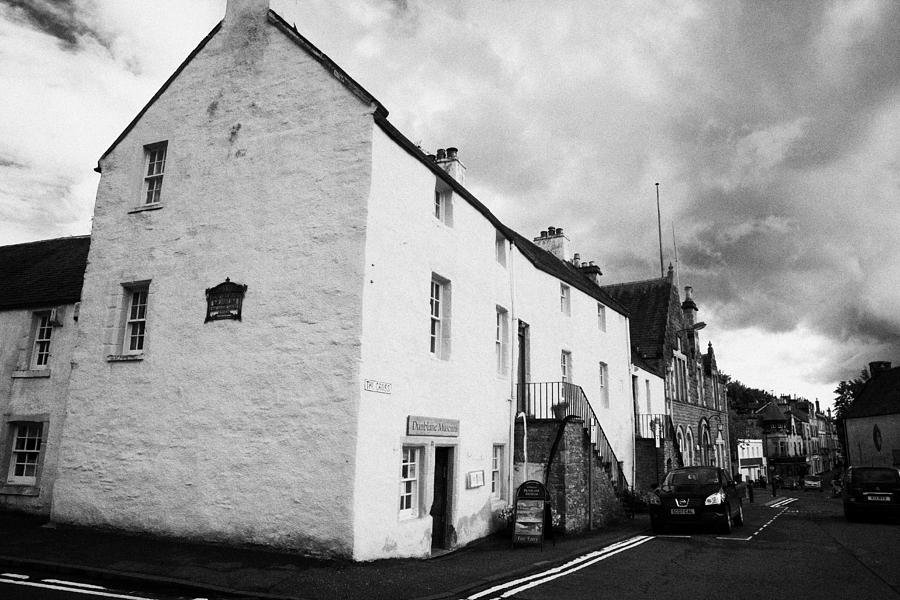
{"x":522,"y":369}
{"x":440,"y":508}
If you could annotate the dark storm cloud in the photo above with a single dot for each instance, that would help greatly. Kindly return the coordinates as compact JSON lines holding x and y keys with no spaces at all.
{"x":60,"y":19}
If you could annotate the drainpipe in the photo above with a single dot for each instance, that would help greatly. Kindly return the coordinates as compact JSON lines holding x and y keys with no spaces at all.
{"x":525,"y":441}
{"x":514,"y":357}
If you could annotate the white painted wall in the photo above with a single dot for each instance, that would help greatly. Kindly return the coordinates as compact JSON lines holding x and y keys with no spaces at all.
{"x":552,"y":331}
{"x":655,"y":404}
{"x":233,"y":431}
{"x":404,"y":246}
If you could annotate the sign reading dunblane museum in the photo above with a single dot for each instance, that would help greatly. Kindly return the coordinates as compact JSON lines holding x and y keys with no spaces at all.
{"x":224,"y":301}
{"x":432,"y":426}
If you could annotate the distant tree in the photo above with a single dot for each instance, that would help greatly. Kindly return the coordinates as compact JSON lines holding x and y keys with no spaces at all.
{"x":743,"y":399}
{"x":846,"y":394}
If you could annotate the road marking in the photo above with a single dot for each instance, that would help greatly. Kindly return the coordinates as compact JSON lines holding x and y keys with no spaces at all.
{"x":769,"y":522}
{"x":780,"y":503}
{"x":572,"y":566}
{"x":71,"y":590}
{"x":746,"y":539}
{"x":87,"y":586}
{"x":13,"y":575}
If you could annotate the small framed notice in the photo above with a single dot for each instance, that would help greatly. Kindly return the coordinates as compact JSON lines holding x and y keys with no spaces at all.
{"x":225,"y":301}
{"x":474,"y":479}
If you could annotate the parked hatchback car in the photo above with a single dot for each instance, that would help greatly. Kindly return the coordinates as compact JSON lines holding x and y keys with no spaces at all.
{"x":812,"y":482}
{"x":871,"y":491}
{"x":696,"y":496}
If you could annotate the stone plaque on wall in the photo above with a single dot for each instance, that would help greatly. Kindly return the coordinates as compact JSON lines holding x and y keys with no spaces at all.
{"x":224,"y":301}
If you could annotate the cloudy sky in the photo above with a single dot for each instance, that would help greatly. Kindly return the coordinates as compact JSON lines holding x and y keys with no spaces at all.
{"x":772,"y":128}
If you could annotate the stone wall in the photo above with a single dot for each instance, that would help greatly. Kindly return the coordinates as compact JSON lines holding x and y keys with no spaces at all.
{"x":580,"y":488}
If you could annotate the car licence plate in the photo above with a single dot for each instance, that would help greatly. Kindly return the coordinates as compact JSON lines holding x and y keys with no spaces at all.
{"x":682,"y":511}
{"x":879,"y":498}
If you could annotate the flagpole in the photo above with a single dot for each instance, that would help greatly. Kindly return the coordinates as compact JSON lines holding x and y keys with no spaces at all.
{"x":662,"y":273}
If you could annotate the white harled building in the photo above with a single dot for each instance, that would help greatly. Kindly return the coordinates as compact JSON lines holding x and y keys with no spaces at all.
{"x":299,"y":330}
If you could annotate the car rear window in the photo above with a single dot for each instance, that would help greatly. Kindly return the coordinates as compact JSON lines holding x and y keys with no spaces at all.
{"x":693,"y":477}
{"x":876,"y":476}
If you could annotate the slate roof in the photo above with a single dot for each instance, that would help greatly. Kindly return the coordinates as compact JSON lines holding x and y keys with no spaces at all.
{"x":540,"y":258}
{"x":648,"y":303}
{"x":45,"y":273}
{"x":880,"y":396}
{"x":771,"y":413}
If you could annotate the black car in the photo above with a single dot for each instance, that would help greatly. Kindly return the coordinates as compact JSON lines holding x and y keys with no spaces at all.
{"x":696,"y":496}
{"x":871,"y":491}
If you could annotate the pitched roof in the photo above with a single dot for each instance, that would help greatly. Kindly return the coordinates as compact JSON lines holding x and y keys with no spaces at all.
{"x":880,"y":396}
{"x":648,"y":303}
{"x":538,"y":257}
{"x":772,"y":413}
{"x":44,"y":273}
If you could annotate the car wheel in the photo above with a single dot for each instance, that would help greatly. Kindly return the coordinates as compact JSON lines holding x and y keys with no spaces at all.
{"x":727,"y":524}
{"x":739,"y":519}
{"x":656,"y":526}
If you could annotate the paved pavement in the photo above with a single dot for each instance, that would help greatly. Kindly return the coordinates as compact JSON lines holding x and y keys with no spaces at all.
{"x":213,"y":570}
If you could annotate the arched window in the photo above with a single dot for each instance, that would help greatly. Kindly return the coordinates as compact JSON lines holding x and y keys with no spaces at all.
{"x":705,"y":443}
{"x":689,"y":442}
{"x":682,"y":447}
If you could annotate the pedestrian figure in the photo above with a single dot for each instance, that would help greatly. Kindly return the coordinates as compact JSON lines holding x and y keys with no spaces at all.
{"x":750,"y":491}
{"x":774,"y":485}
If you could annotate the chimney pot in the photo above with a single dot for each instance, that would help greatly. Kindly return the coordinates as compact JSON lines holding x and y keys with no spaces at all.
{"x":551,"y":231}
{"x":878,"y":367}
{"x":576,"y":260}
{"x":451,"y":153}
{"x":559,"y":231}
{"x":432,"y":157}
{"x":441,"y":154}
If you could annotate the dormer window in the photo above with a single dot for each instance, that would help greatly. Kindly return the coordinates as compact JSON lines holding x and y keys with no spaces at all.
{"x":565,"y":299}
{"x":500,"y":248}
{"x":443,"y":206}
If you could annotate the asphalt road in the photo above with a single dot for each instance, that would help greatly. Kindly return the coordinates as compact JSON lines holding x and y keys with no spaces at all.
{"x":800,"y":549}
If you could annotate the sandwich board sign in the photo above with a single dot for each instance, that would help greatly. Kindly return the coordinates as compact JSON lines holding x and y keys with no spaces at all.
{"x":532,"y":506}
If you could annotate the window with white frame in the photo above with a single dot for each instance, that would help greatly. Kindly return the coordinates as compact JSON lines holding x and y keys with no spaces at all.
{"x":565,"y":366}
{"x":439,"y":342}
{"x":498,"y":461}
{"x":410,"y":468}
{"x":135,"y":319}
{"x":601,"y":317}
{"x":500,"y":248}
{"x":501,"y":335}
{"x":604,"y":385}
{"x":443,"y":206}
{"x":43,"y":330}
{"x":565,"y":299}
{"x":25,"y":455}
{"x":155,"y":163}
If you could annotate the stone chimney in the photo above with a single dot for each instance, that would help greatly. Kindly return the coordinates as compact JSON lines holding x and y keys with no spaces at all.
{"x":244,"y":29}
{"x":592,"y":271}
{"x":237,"y":10}
{"x":689,"y":306}
{"x":449,"y":161}
{"x":878,"y":367}
{"x":555,"y":242}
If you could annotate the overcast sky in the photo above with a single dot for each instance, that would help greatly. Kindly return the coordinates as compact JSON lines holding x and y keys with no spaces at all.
{"x":772,"y":128}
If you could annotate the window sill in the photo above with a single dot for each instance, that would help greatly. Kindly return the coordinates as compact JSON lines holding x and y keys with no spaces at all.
{"x":31,"y":374}
{"x":19,"y":489}
{"x":145,"y":208}
{"x":124,"y":357}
